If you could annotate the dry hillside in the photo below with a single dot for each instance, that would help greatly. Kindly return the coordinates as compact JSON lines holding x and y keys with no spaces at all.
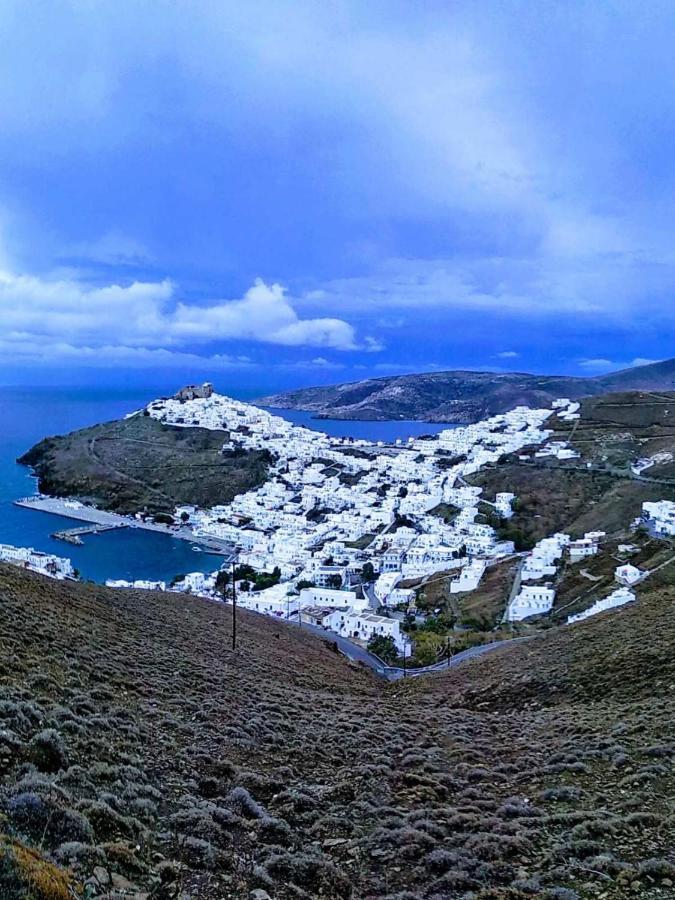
{"x":140,"y":756}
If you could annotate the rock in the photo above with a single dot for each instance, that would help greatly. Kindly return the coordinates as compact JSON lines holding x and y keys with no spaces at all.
{"x":120,"y":883}
{"x":259,"y":894}
{"x":334,"y":842}
{"x":101,"y":875}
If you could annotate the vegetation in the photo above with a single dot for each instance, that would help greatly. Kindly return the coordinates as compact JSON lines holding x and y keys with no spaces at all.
{"x":139,"y":464}
{"x":462,"y":396}
{"x":384,"y":648}
{"x":542,"y":769}
{"x":248,"y":576}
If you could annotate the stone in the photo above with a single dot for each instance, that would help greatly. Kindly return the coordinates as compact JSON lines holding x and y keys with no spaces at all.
{"x":259,"y":894}
{"x":101,"y":875}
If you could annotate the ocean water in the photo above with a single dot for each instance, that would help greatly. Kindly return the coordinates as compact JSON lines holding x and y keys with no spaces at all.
{"x":29,"y":414}
{"x":369,"y":431}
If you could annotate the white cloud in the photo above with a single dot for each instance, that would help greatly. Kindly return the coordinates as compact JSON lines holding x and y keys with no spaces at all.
{"x":609,"y":365}
{"x":144,"y":320}
{"x":597,"y":365}
{"x":508,"y":354}
{"x":642,"y":361}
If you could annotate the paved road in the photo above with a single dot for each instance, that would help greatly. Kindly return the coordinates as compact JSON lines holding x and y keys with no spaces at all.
{"x":393,"y":673}
{"x":515,"y":589}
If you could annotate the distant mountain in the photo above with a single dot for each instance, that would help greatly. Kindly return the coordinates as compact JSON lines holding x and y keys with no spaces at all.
{"x":461,"y":396}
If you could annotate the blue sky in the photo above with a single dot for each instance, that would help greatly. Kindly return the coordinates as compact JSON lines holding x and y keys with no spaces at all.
{"x":279,"y":193}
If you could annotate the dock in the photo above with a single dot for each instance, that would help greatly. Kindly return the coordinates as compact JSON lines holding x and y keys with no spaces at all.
{"x":100,"y":520}
{"x":75,"y":535}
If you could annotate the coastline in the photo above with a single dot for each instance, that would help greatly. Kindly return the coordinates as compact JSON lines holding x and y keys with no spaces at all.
{"x":63,"y":507}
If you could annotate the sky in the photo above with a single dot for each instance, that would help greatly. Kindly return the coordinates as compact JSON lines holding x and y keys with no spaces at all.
{"x":276,"y":194}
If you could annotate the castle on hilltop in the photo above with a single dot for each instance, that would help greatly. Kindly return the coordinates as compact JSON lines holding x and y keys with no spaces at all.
{"x":195,"y":392}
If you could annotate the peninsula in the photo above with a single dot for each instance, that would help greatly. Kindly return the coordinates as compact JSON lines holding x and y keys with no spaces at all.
{"x":461,"y":396}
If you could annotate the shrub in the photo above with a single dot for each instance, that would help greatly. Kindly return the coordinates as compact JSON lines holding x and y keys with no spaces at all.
{"x":47,"y":751}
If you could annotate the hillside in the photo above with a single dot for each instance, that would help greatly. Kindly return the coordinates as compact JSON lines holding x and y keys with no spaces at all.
{"x":599,"y":490}
{"x":139,"y":463}
{"x":542,"y":770}
{"x":461,"y":396}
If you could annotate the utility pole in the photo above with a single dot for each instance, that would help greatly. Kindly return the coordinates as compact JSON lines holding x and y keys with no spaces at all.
{"x":405,"y":672}
{"x":234,"y":607}
{"x":447,"y":651}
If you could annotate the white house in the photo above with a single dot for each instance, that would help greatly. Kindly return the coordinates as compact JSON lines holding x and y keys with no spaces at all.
{"x":316,"y":596}
{"x":628,"y":575}
{"x":364,"y":626}
{"x":618,"y":598}
{"x":469,"y":577}
{"x":582,"y":548}
{"x":660,"y":516}
{"x":533,"y":600}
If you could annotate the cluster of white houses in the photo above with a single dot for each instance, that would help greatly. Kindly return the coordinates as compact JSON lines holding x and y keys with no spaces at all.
{"x":660,"y":517}
{"x":36,"y":561}
{"x":332,"y":508}
{"x":541,"y":563}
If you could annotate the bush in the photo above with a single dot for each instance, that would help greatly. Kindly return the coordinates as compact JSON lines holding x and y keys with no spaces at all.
{"x":47,"y":751}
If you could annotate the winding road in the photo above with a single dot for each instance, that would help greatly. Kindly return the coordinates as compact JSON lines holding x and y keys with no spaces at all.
{"x":393,"y":673}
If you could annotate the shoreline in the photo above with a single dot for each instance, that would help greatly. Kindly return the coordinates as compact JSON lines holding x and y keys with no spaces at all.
{"x":58,"y":506}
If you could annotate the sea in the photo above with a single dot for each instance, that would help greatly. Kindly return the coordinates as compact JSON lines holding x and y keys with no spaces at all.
{"x":29,"y":414}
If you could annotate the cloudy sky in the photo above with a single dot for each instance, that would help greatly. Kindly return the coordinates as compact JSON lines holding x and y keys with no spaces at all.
{"x":280,"y":193}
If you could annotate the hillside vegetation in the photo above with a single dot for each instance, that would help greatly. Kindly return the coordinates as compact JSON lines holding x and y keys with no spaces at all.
{"x":599,"y":490}
{"x":140,"y":756}
{"x":138,"y":463}
{"x":462,"y":396}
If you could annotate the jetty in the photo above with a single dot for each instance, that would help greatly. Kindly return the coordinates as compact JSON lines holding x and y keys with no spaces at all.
{"x":75,"y":535}
{"x":100,"y":520}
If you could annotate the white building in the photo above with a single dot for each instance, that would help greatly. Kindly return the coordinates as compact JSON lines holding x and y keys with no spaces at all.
{"x":660,"y":516}
{"x":533,"y":600}
{"x":618,"y":598}
{"x":36,"y":561}
{"x":628,"y":575}
{"x":503,"y":502}
{"x":316,"y":596}
{"x":364,"y":626}
{"x":469,"y":577}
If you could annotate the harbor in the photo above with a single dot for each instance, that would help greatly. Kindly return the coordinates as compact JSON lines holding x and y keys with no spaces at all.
{"x":100,"y":520}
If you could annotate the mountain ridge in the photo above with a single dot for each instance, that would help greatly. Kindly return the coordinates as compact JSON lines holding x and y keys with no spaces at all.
{"x":462,"y":395}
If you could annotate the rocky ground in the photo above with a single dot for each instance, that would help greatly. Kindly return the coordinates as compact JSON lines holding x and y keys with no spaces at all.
{"x":140,"y":756}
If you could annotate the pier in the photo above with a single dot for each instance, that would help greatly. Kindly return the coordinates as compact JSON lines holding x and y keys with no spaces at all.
{"x":100,"y":520}
{"x":75,"y":535}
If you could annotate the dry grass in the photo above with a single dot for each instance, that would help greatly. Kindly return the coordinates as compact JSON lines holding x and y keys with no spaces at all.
{"x":191,"y":770}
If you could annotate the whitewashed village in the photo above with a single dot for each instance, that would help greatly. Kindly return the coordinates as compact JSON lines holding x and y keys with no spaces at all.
{"x":341,"y":528}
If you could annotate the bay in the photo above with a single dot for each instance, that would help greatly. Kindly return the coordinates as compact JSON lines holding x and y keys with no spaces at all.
{"x":29,"y":414}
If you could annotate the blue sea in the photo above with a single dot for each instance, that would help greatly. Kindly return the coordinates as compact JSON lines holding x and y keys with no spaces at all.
{"x":29,"y":414}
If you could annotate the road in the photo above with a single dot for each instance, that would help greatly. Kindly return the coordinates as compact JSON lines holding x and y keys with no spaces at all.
{"x":393,"y":673}
{"x":515,"y":590}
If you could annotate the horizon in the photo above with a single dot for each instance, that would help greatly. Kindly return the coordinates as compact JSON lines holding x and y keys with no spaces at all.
{"x":285,"y":196}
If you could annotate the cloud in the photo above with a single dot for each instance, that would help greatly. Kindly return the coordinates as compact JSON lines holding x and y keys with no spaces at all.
{"x":507,"y":354}
{"x":597,"y":365}
{"x":609,"y":365}
{"x":642,"y":361}
{"x":143,"y":320}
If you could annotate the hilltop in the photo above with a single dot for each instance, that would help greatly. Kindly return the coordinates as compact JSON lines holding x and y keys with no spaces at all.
{"x":462,"y":396}
{"x":542,"y":770}
{"x":139,"y":463}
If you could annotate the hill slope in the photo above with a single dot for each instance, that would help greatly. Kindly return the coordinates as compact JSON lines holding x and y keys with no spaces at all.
{"x":139,"y":463}
{"x":543,"y":770}
{"x":461,"y":396}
